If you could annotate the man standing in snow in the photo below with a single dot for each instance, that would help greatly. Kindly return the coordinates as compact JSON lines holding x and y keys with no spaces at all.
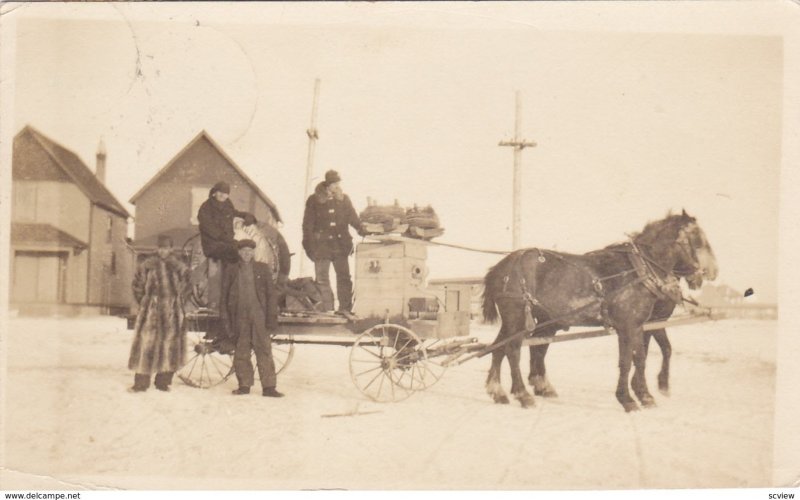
{"x":249,"y":313}
{"x":160,"y":286}
{"x":327,"y":240}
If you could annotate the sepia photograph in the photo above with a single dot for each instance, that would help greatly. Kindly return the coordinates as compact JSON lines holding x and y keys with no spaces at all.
{"x":513,"y":246}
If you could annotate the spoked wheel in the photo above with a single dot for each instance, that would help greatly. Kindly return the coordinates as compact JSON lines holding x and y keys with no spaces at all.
{"x":282,"y":351}
{"x":381,"y":362}
{"x":204,"y":367}
{"x":427,"y":367}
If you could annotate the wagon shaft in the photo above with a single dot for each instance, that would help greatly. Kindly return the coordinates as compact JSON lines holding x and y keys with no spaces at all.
{"x":653,"y":325}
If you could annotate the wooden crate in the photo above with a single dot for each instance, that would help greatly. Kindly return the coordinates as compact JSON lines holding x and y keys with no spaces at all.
{"x":391,"y":268}
{"x":392,"y":249}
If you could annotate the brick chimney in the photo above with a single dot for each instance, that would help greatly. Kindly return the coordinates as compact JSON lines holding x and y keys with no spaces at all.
{"x":100,"y":169}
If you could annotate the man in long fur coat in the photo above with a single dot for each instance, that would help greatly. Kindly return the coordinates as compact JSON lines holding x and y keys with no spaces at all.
{"x":160,"y":286}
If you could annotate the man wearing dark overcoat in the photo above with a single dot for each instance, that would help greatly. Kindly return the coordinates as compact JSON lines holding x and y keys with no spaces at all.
{"x":249,"y":314}
{"x":216,"y":224}
{"x":215,"y":218}
{"x":160,"y":286}
{"x":326,"y":238}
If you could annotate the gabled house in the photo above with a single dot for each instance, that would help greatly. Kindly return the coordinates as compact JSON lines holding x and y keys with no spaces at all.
{"x":69,"y":251}
{"x":169,"y":202}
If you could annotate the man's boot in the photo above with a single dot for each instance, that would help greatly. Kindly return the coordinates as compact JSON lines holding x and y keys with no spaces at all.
{"x":141,"y":381}
{"x":271,"y":392}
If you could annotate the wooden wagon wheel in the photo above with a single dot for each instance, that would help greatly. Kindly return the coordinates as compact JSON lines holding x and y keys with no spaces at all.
{"x":381,"y":361}
{"x":427,"y":367}
{"x":205,"y":367}
{"x":282,"y":352}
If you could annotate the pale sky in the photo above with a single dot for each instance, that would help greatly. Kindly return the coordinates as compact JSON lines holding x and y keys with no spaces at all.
{"x":630,"y":122}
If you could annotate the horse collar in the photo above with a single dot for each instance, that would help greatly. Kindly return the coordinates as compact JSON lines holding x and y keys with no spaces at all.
{"x":663,"y":288}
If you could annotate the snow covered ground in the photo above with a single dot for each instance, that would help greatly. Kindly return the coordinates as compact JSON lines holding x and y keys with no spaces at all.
{"x":70,"y":421}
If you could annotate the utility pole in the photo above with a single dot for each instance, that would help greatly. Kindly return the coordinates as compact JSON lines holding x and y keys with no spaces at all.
{"x":313,"y":135}
{"x":518,"y":143}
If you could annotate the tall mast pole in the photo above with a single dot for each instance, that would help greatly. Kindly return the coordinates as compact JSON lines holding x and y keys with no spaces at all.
{"x":313,"y":135}
{"x":518,"y":143}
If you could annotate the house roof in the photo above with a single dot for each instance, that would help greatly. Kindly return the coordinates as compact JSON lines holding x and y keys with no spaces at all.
{"x":43,"y":233}
{"x":204,"y":135}
{"x":74,"y":167}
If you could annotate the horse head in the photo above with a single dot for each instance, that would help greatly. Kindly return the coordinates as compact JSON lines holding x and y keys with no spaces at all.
{"x":694,"y":253}
{"x":681,"y":246}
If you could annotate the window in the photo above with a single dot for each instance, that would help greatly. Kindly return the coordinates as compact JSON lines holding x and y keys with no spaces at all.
{"x":24,"y":201}
{"x":199,"y":195}
{"x":113,"y":263}
{"x":109,"y":229}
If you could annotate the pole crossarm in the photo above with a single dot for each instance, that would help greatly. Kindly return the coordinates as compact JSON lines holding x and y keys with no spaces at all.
{"x":517,"y":144}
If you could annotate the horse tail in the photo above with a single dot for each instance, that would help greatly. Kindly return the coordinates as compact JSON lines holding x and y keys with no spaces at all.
{"x":490,"y":285}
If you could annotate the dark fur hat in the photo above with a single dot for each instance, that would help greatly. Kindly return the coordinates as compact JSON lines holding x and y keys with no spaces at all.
{"x":222,"y":187}
{"x":332,"y":177}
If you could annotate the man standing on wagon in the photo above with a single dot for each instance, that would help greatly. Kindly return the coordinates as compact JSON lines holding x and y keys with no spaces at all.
{"x":249,"y":312}
{"x":327,"y":240}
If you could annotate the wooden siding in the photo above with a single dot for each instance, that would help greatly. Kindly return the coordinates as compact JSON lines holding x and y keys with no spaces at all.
{"x":105,"y":287}
{"x":167,"y":204}
{"x":59,"y":204}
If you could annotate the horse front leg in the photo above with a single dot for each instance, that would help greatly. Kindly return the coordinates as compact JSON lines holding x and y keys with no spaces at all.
{"x":625,"y":359}
{"x":666,"y":354}
{"x":493,"y":386}
{"x":518,"y":389}
{"x":639,"y":381}
{"x":538,"y":376}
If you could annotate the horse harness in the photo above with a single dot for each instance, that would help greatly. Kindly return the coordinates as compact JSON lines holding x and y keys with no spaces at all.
{"x":667,"y":288}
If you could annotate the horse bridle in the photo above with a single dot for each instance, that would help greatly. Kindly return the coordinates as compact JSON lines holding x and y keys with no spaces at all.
{"x":683,"y":241}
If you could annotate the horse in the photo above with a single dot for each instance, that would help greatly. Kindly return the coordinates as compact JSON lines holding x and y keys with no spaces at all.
{"x":662,"y":311}
{"x":616,"y":287}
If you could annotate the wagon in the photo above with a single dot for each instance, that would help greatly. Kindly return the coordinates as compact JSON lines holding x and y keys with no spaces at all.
{"x":399,"y":344}
{"x":406,"y":335}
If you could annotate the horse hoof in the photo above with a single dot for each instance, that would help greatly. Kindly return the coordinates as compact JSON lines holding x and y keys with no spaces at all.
{"x":527,"y":401}
{"x":501,"y":400}
{"x":547,"y":393}
{"x":649,"y":403}
{"x":664,"y":391}
{"x":632,"y":406}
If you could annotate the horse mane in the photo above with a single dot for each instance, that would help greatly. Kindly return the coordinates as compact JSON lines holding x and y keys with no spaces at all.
{"x":653,"y":228}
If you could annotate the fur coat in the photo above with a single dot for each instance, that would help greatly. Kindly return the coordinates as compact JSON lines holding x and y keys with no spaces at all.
{"x":271,"y":247}
{"x":160,"y":287}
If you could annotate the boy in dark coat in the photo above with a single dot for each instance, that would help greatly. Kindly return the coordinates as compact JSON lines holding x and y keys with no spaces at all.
{"x":216,"y":224}
{"x":160,"y":286}
{"x":249,"y":313}
{"x":215,"y":217}
{"x":326,"y":238}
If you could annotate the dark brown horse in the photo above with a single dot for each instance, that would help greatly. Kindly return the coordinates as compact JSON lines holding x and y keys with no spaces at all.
{"x":662,"y":311}
{"x":618,"y":287}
